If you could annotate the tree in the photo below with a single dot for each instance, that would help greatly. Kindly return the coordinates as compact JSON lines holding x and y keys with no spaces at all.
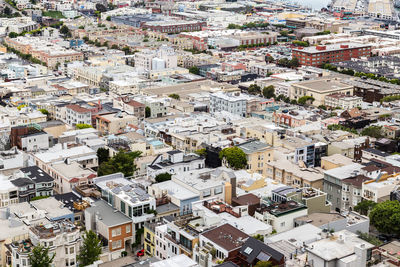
{"x":103,"y":154}
{"x":91,"y":248}
{"x":162,"y":177}
{"x":101,"y":8}
{"x":127,"y":50}
{"x":322,"y":107}
{"x":269,"y":91}
{"x":264,"y":264}
{"x":385,"y":216}
{"x":40,"y":257}
{"x":121,"y":162}
{"x":64,"y":30}
{"x":234,"y":156}
{"x":13,"y":35}
{"x":254,"y":89}
{"x":293,"y":102}
{"x":306,"y":100}
{"x":147,"y":112}
{"x":108,"y":18}
{"x":7,"y":11}
{"x":80,"y":126}
{"x":44,"y":111}
{"x":259,"y":237}
{"x":372,"y":131}
{"x":294,"y":63}
{"x":201,"y":152}
{"x":175,"y":96}
{"x":114,"y":46}
{"x":365,"y":206}
{"x":194,"y":70}
{"x":269,"y":59}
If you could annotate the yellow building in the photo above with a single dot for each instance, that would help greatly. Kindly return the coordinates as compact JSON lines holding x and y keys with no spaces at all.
{"x":149,"y":238}
{"x":335,"y":161}
{"x":269,"y":135}
{"x":319,"y":89}
{"x":258,"y":156}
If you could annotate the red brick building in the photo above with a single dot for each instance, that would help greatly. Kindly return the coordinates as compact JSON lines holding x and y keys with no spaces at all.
{"x":320,"y":54}
{"x":174,"y":26}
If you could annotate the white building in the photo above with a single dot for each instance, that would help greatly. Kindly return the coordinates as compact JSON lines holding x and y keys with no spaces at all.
{"x":62,"y":238}
{"x":345,"y":249}
{"x":128,"y":197}
{"x":235,"y":103}
{"x":76,"y":114}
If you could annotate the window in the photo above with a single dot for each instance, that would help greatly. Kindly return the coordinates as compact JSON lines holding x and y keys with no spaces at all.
{"x":116,"y":232}
{"x":122,"y":207}
{"x":116,"y":244}
{"x":128,"y":229}
{"x":71,"y":250}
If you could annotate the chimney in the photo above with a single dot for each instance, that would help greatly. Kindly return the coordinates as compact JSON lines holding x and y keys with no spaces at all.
{"x":99,"y":104}
{"x":233,"y":183}
{"x":228,"y":193}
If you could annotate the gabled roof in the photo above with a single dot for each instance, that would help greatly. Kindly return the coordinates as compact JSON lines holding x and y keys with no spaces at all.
{"x":254,"y":249}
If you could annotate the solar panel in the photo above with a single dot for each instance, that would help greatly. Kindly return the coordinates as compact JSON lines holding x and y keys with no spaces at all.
{"x":116,"y":190}
{"x":126,"y":188}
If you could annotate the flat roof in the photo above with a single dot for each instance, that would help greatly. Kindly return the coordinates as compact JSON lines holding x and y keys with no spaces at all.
{"x":345,"y":172}
{"x":107,"y":214}
{"x":319,"y":219}
{"x":52,"y":206}
{"x":332,"y":248}
{"x":323,"y":86}
{"x":330,"y":48}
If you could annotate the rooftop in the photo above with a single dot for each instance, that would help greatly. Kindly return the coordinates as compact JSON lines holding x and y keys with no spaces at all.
{"x":253,"y":147}
{"x":107,"y":214}
{"x":226,"y":236}
{"x":323,"y":86}
{"x":339,"y":246}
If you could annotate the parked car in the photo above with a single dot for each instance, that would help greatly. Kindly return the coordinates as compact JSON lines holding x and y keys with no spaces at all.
{"x":140,"y":253}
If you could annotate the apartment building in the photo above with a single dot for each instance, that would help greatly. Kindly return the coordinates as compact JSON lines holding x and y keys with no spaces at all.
{"x":234,"y":103}
{"x":114,"y":123}
{"x":128,"y":197}
{"x":258,"y":156}
{"x":319,"y":89}
{"x":115,"y":227}
{"x":76,"y":114}
{"x":53,"y":236}
{"x":342,"y":101}
{"x":333,"y":182}
{"x":318,"y":55}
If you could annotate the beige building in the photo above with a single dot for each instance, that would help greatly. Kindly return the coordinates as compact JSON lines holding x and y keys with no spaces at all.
{"x":335,"y":161}
{"x":114,"y":123}
{"x":286,"y":172}
{"x":319,"y":89}
{"x":259,"y":155}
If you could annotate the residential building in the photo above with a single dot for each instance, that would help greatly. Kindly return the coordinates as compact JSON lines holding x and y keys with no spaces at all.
{"x":235,"y":103}
{"x":115,"y":227}
{"x":280,"y":215}
{"x":225,"y":239}
{"x":258,"y":155}
{"x":76,"y":114}
{"x":127,"y":197}
{"x":342,"y":101}
{"x":9,"y":192}
{"x":114,"y":123}
{"x":319,"y":89}
{"x":52,"y":236}
{"x":333,"y":180}
{"x":29,"y":138}
{"x":175,"y":163}
{"x":318,"y":55}
{"x":351,"y":221}
{"x":345,"y":248}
